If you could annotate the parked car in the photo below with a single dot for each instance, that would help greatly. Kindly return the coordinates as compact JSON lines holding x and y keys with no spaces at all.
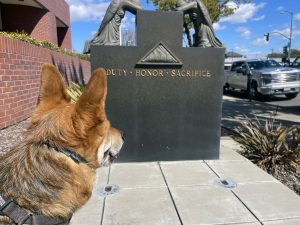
{"x":227,"y":66}
{"x":263,"y":77}
{"x":296,"y":63}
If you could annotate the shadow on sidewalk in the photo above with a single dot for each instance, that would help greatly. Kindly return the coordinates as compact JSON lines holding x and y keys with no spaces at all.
{"x":235,"y":109}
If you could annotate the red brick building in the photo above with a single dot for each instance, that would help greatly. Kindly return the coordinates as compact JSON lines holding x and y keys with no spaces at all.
{"x":47,"y":20}
{"x":21,"y":62}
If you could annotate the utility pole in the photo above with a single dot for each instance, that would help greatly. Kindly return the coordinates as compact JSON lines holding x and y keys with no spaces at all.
{"x":291,"y":32}
{"x":272,"y":51}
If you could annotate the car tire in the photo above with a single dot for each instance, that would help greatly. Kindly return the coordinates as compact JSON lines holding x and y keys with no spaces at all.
{"x":252,"y":91}
{"x":225,"y":88}
{"x":291,"y":95}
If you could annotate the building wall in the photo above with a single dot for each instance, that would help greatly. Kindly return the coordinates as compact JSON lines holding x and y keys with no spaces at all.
{"x":61,"y":10}
{"x":20,"y":69}
{"x":59,"y":7}
{"x":39,"y":23}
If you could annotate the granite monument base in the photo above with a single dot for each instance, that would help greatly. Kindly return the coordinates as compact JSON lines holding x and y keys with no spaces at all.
{"x":169,"y":109}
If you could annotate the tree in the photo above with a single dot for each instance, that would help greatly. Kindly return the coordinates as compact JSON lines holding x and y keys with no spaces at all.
{"x":128,"y":37}
{"x":275,"y":55}
{"x":295,"y":53}
{"x":216,"y":8}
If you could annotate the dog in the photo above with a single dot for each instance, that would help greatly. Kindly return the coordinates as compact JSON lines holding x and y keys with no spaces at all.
{"x":51,"y":173}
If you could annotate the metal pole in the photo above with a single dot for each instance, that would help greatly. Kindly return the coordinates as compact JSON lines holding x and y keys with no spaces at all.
{"x":272,"y":51}
{"x":291,"y":32}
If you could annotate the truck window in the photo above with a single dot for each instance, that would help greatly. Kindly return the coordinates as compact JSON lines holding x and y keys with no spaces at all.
{"x":256,"y":65}
{"x":271,"y":63}
{"x":296,"y":63}
{"x":236,"y":65}
{"x":244,"y":66}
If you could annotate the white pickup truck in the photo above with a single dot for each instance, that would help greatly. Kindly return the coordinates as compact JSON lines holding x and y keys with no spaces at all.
{"x":264,"y":77}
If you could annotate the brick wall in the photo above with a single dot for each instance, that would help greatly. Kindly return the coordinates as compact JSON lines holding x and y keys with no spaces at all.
{"x":59,"y":7}
{"x":20,"y":68}
{"x":38,"y":23}
{"x":61,"y":10}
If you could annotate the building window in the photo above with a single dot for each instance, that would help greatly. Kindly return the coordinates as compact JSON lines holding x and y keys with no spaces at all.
{"x":62,"y":30}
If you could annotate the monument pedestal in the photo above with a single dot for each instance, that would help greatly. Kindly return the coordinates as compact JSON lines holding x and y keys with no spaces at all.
{"x":167,"y":99}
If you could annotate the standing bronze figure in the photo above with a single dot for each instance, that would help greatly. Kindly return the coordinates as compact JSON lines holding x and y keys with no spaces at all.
{"x":108,"y":32}
{"x":204,"y":33}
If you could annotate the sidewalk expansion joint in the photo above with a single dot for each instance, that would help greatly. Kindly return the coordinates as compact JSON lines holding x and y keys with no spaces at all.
{"x":103,"y":207}
{"x":211,"y":169}
{"x":282,"y":219}
{"x":244,"y":204}
{"x":173,"y":201}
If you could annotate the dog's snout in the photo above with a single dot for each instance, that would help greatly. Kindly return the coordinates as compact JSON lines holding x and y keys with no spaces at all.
{"x":123,"y":135}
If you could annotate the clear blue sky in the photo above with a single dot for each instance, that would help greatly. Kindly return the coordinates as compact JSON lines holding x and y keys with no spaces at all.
{"x":242,"y":32}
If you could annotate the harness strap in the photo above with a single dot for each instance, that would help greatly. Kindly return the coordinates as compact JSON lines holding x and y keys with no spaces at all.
{"x":45,"y":220}
{"x":21,"y":216}
{"x":16,"y":213}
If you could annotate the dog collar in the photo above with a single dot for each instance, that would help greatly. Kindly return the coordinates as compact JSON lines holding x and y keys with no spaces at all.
{"x":68,"y":152}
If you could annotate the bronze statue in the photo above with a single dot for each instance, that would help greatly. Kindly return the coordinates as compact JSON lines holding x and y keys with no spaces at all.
{"x":204,"y":33}
{"x":108,"y":32}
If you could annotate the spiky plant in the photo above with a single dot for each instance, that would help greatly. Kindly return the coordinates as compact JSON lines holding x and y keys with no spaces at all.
{"x":75,"y":91}
{"x":272,"y":147}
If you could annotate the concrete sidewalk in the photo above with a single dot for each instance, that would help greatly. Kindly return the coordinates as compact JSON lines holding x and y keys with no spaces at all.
{"x":184,"y":192}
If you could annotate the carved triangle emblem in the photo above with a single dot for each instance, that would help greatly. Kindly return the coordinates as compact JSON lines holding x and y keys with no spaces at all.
{"x":160,"y":55}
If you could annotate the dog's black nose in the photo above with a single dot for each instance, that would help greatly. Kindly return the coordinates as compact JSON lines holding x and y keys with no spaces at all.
{"x":123,"y":135}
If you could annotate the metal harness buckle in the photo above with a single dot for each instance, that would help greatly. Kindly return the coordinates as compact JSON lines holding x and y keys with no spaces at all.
{"x":4,"y":202}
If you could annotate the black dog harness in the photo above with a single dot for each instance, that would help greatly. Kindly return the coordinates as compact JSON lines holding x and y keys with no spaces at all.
{"x":68,"y":152}
{"x":22,"y":216}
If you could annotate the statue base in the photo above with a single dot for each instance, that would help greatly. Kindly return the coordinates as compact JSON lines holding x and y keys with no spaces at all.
{"x":169,"y":109}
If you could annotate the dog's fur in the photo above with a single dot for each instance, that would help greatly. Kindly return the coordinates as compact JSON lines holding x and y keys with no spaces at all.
{"x":44,"y":180}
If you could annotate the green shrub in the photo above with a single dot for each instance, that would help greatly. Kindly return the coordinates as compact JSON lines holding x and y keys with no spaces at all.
{"x":272,"y":147}
{"x":22,"y":36}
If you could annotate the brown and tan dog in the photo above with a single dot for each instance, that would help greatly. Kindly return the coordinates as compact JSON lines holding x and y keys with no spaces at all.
{"x":38,"y":174}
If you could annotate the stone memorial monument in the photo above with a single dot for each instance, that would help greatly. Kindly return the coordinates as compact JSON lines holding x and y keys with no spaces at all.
{"x":204,"y":33}
{"x":166,"y":98}
{"x":108,"y":32}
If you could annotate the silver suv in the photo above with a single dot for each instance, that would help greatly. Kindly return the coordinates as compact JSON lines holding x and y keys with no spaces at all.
{"x":265,"y":77}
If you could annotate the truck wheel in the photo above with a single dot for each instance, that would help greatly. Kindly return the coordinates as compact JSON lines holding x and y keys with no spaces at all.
{"x":291,"y":95}
{"x":225,"y":88}
{"x":252,"y":91}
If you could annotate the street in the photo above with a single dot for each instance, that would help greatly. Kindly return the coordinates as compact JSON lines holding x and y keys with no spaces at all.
{"x":236,"y":106}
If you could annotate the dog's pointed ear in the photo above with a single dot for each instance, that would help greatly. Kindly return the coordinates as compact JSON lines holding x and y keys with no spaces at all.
{"x":52,"y":85}
{"x":91,"y":103}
